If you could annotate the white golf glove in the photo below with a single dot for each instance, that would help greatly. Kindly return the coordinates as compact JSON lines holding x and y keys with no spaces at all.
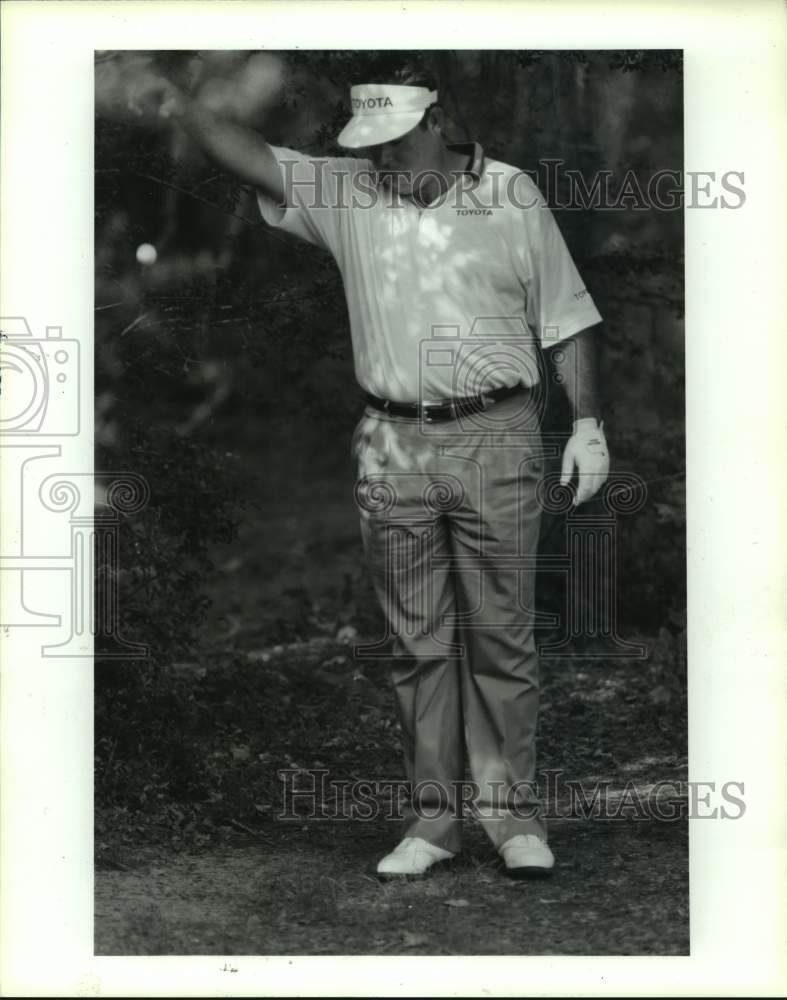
{"x":586,"y":451}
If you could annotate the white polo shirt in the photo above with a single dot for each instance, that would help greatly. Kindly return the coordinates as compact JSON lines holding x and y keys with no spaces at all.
{"x":444,"y":301}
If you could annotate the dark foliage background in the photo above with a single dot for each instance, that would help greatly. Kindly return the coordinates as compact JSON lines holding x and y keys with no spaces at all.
{"x":224,"y":376}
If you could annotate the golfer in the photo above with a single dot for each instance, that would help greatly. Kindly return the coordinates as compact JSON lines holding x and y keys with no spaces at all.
{"x":455,"y":275}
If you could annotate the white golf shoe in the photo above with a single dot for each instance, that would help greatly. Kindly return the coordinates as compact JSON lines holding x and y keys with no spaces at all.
{"x":413,"y":856}
{"x":527,"y":856}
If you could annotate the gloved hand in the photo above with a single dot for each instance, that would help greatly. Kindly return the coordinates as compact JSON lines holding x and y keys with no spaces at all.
{"x":586,"y":451}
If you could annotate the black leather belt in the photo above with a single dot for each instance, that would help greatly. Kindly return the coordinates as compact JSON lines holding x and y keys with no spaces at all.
{"x":447,"y":409}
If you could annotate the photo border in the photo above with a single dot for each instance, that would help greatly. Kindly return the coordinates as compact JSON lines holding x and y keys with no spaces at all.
{"x":734,"y":68}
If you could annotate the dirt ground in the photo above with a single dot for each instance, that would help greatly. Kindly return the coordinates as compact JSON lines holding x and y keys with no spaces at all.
{"x":619,"y":888}
{"x":252,"y":885}
{"x":263,"y":885}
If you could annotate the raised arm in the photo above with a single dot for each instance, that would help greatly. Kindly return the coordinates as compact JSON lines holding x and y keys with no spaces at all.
{"x":235,"y":148}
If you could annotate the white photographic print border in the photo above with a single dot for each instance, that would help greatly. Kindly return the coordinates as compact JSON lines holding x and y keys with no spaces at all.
{"x":734,"y":63}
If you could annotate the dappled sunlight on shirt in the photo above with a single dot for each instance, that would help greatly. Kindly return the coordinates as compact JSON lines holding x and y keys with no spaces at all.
{"x":412,"y":275}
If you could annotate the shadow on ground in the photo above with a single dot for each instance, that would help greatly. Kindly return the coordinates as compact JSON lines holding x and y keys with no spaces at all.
{"x":190,"y":860}
{"x":620,"y":888}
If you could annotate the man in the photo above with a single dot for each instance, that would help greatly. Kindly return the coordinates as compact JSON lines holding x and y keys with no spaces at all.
{"x":454,"y":272}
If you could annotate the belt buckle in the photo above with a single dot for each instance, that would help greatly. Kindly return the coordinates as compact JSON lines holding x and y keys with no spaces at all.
{"x":447,"y":407}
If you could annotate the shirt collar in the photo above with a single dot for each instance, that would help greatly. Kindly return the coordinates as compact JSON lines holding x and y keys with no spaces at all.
{"x":475,"y":157}
{"x":476,"y":163}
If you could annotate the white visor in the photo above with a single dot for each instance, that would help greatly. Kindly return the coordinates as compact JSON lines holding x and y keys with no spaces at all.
{"x":382,"y":112}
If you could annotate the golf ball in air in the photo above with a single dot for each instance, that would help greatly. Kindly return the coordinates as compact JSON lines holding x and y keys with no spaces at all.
{"x":146,"y":253}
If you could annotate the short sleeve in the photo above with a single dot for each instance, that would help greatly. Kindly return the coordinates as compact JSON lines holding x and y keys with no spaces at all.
{"x":317,"y":192}
{"x":557,"y":303}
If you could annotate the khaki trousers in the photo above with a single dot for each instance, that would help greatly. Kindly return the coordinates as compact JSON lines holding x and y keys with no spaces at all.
{"x":450,"y":525}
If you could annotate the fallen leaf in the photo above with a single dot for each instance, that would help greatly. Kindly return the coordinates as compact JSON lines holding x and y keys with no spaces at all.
{"x":455,"y":902}
{"x":413,"y":940}
{"x":661,"y":695}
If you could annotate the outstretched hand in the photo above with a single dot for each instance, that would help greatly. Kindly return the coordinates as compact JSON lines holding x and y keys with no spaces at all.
{"x":586,"y":453}
{"x":155,"y":96}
